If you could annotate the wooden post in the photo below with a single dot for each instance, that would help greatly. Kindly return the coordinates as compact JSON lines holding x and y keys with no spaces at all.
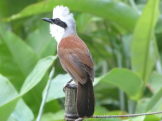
{"x":70,"y":102}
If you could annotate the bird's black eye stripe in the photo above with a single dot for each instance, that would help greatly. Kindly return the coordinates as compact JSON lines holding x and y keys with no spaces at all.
{"x":58,"y":22}
{"x":63,"y":24}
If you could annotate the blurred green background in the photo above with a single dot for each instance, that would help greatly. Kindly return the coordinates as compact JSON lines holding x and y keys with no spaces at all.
{"x":124,"y":37}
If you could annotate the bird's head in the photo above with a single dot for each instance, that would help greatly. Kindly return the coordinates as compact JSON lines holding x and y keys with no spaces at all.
{"x":62,"y":24}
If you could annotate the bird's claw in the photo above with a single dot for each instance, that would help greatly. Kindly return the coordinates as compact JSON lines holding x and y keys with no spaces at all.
{"x":69,"y":85}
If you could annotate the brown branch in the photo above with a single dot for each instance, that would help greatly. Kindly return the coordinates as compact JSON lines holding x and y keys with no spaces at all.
{"x":129,"y":115}
{"x":120,"y":116}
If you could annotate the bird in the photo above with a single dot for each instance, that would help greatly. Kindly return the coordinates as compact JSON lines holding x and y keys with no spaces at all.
{"x":75,"y":57}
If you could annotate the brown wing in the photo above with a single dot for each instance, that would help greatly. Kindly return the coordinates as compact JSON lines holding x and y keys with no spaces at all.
{"x":76,"y":59}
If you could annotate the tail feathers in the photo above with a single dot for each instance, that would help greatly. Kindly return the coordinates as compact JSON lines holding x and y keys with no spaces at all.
{"x":85,"y":99}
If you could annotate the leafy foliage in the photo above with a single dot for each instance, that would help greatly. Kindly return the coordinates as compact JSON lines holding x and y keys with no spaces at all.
{"x":143,"y":42}
{"x":124,"y":37}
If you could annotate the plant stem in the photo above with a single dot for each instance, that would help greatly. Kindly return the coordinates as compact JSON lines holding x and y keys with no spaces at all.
{"x":122,"y":100}
{"x":131,"y":106}
{"x":45,"y":94}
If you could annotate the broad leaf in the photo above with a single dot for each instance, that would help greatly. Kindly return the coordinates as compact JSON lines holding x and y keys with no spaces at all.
{"x":21,"y":113}
{"x":153,"y":104}
{"x":155,"y":82}
{"x":5,"y":4}
{"x":126,"y":81}
{"x":59,"y":116}
{"x":7,"y":96}
{"x":140,"y":118}
{"x":152,"y":118}
{"x":108,"y":9}
{"x":23,"y":55}
{"x":8,"y":66}
{"x":56,"y":87}
{"x":37,"y":74}
{"x":35,"y":82}
{"x":144,"y":51}
{"x":41,"y":41}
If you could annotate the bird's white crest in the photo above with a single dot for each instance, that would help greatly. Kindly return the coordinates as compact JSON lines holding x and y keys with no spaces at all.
{"x":64,"y":15}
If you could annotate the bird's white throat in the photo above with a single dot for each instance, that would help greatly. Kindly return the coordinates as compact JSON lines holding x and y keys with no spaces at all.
{"x":57,"y":32}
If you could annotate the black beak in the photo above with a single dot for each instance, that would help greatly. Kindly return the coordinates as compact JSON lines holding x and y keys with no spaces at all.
{"x":50,"y":20}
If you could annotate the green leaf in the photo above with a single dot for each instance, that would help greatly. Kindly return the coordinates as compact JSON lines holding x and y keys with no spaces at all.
{"x":21,"y":52}
{"x":126,"y":81}
{"x":152,"y":118}
{"x":56,"y":87}
{"x":141,"y":118}
{"x":21,"y":113}
{"x":35,"y":82}
{"x":37,"y":74}
{"x":6,"y":109}
{"x":5,"y":4}
{"x":59,"y":116}
{"x":7,"y":90}
{"x":53,"y":106}
{"x":83,"y":21}
{"x":41,"y":41}
{"x":111,"y":10}
{"x":152,"y":104}
{"x":7,"y":95}
{"x":141,"y":105}
{"x":155,"y":82}
{"x":144,"y":51}
{"x":9,"y":68}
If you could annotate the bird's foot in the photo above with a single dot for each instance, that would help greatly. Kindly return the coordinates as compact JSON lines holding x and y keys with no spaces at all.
{"x":70,"y":85}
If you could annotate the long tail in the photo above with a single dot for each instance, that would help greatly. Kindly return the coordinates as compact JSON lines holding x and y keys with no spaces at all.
{"x":85,"y":99}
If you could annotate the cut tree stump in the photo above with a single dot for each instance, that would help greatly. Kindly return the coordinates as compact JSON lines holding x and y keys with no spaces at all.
{"x":70,"y":102}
